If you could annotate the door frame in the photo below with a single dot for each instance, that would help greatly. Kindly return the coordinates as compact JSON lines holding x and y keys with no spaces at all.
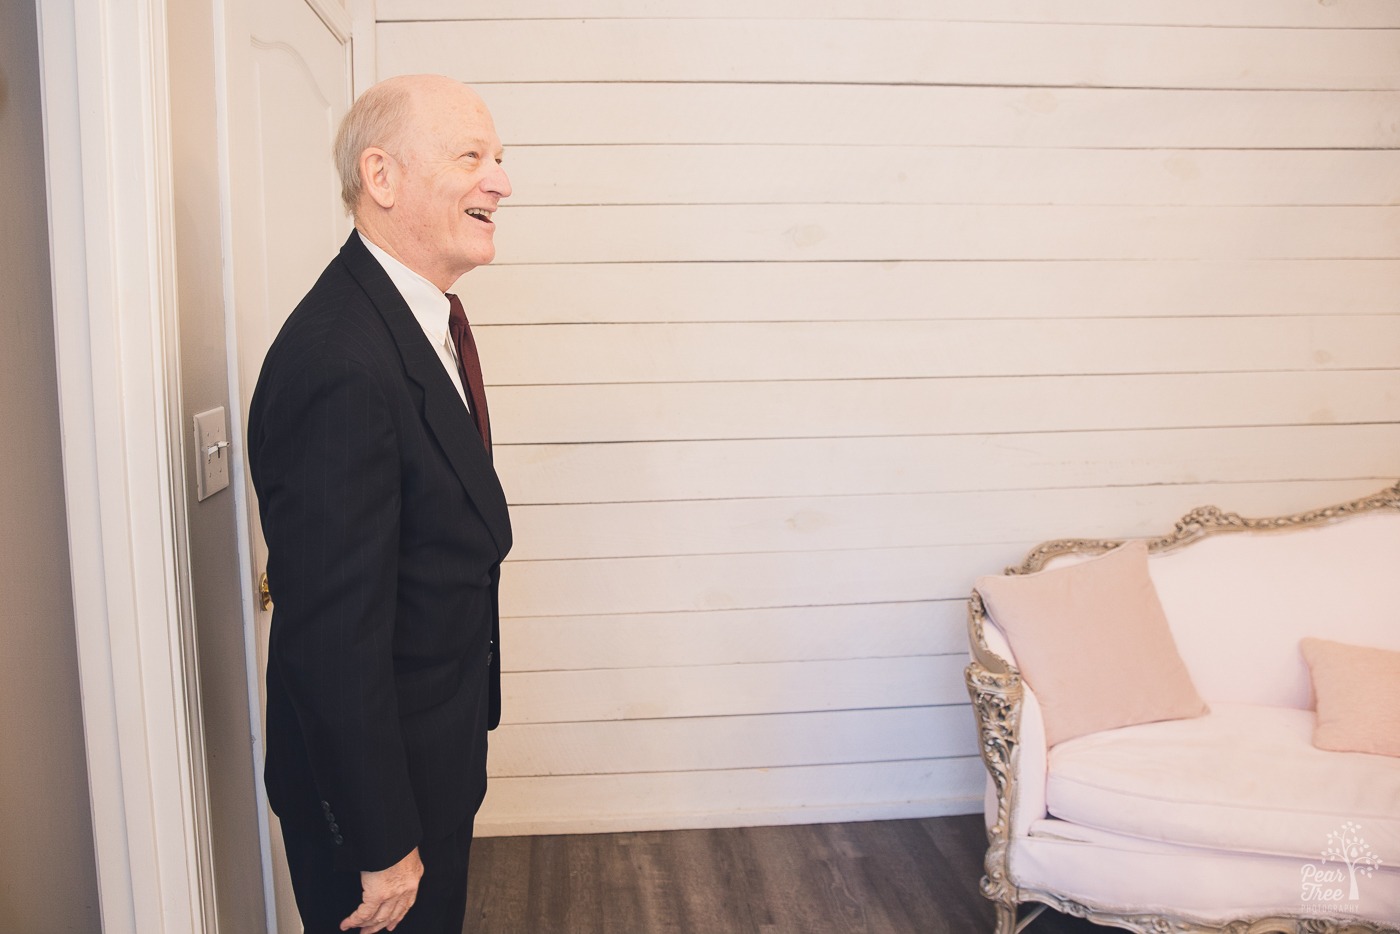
{"x":111,"y":239}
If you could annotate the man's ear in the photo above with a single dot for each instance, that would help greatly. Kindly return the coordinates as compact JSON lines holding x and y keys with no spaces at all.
{"x":378,"y":176}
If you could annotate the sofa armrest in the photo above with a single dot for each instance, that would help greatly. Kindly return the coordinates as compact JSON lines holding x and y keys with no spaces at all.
{"x":1032,"y":767}
{"x":1029,"y":759}
{"x":1011,"y":735}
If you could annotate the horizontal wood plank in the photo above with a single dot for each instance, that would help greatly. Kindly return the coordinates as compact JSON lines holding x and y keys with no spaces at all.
{"x":904,"y":52}
{"x":714,"y":352}
{"x":607,"y":586}
{"x":737,"y":742}
{"x":728,"y":637}
{"x":732,"y":690}
{"x":786,"y":233}
{"x":588,"y":175}
{"x":817,"y":291}
{"x":652,"y":113}
{"x":731,"y":798}
{"x":880,"y":520}
{"x":679,"y":470}
{"x":860,"y":408}
{"x":1291,"y":13}
{"x":731,"y":582}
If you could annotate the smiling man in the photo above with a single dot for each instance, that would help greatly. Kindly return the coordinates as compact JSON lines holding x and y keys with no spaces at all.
{"x":369,"y":444}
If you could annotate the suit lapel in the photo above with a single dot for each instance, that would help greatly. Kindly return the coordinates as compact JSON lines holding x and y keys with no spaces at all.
{"x":443,"y":412}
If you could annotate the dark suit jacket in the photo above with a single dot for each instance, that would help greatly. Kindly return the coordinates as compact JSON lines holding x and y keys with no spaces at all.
{"x":385,"y":527}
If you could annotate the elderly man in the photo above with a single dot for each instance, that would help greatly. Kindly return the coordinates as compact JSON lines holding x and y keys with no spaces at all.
{"x":385,"y":524}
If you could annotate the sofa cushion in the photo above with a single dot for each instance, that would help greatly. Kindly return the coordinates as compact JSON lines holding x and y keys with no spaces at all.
{"x":1358,"y":696}
{"x":1244,"y":778}
{"x":1092,"y":641}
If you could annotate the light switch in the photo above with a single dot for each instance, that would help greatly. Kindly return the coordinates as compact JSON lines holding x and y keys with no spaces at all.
{"x":211,"y":452}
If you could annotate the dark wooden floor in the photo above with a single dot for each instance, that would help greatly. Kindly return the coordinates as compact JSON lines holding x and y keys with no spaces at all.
{"x":886,"y":877}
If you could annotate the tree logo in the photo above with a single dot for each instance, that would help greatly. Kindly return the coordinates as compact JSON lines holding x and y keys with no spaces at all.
{"x":1330,"y":886}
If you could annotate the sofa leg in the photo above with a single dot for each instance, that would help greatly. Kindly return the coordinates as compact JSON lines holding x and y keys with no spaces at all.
{"x":1006,"y":919}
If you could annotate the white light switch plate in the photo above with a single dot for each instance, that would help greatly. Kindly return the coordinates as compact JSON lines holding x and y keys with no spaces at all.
{"x":212,"y":452}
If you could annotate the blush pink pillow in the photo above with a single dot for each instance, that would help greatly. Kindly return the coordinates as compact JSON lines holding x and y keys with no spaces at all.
{"x":1092,"y":641}
{"x":1358,"y":697}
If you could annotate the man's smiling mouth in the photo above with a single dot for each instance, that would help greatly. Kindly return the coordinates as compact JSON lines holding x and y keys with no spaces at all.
{"x":481,"y":214}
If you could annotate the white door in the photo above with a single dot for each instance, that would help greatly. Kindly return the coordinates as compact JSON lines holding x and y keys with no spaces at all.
{"x":289,"y":83}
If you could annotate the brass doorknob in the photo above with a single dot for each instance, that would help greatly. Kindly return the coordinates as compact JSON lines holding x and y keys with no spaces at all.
{"x":264,"y":594}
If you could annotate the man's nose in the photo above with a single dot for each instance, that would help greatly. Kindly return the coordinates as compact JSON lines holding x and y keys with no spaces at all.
{"x":497,"y":182}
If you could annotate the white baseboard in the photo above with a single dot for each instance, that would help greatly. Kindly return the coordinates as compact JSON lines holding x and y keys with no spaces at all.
{"x":763,"y":817}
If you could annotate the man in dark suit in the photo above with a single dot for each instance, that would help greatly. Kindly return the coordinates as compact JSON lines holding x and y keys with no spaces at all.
{"x":385,"y":524}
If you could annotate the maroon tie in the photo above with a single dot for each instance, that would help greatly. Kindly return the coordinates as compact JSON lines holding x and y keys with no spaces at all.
{"x":469,"y":366}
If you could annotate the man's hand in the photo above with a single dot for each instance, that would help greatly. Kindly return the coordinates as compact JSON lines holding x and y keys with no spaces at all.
{"x":388,"y":894}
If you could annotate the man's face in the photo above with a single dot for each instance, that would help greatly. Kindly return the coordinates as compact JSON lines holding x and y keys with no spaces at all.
{"x":451,"y":183}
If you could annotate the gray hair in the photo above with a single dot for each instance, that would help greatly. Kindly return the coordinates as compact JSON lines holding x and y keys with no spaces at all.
{"x":376,"y":119}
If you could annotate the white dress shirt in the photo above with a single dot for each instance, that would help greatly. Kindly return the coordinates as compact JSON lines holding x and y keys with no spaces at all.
{"x":429,"y":306}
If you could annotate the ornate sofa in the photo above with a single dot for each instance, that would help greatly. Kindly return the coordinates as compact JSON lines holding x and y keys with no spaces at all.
{"x":1225,"y":818}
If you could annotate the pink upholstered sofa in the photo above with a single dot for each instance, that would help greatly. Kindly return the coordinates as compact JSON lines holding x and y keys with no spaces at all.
{"x":1230,"y":820}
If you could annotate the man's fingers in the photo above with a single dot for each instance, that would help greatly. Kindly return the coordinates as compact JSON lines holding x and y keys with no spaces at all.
{"x":389,"y":912}
{"x":367,"y":915}
{"x":387,"y":895}
{"x":406,"y":902}
{"x":382,"y":917}
{"x":359,"y":917}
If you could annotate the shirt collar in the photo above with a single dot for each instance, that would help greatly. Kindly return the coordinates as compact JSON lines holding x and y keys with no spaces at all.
{"x":427,"y":302}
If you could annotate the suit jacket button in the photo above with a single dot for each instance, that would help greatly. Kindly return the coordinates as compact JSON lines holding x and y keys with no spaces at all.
{"x":339,"y":839}
{"x":335,"y":828}
{"x":325,"y":805}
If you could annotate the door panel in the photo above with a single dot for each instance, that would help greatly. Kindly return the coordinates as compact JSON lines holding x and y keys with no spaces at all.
{"x":289,"y":85}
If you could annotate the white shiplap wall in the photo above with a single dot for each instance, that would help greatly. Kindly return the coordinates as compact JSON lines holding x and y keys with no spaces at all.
{"x":808,"y":312}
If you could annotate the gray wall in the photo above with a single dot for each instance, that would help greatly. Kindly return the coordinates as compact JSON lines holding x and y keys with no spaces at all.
{"x":48,"y":876}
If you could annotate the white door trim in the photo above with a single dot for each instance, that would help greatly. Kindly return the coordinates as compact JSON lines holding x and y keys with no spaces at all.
{"x":104,"y":85}
{"x":364,"y":68}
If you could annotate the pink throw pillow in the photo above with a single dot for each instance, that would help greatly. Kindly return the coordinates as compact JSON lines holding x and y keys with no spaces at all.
{"x":1092,"y":641}
{"x":1358,"y":696}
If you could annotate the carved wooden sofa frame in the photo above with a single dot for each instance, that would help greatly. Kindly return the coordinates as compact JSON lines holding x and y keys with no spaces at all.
{"x":994,"y":686}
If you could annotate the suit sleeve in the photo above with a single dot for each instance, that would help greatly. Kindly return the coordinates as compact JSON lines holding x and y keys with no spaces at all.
{"x":327,"y":461}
